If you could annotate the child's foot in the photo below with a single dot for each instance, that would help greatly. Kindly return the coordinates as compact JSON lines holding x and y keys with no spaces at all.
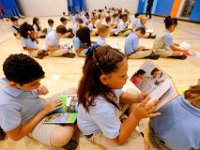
{"x":182,"y":57}
{"x":70,"y":55}
{"x":40,"y":56}
{"x":71,"y":145}
{"x":153,"y":56}
{"x":2,"y":134}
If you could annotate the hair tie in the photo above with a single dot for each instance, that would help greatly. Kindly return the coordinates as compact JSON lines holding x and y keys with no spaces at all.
{"x":90,"y":50}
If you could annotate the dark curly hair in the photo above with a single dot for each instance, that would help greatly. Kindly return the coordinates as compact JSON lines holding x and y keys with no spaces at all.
{"x":22,"y":69}
{"x":24,"y":29}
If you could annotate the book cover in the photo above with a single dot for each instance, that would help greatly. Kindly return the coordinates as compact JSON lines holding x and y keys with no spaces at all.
{"x":154,"y":81}
{"x":67,"y":114}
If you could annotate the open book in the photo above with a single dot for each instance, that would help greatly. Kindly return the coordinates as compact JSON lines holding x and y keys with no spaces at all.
{"x":152,"y":80}
{"x":67,"y":114}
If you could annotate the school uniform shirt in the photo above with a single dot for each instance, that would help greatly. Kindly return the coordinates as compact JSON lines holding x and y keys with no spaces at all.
{"x":77,"y":43}
{"x":75,"y":28}
{"x":49,"y":29}
{"x":17,"y":106}
{"x":15,"y":29}
{"x":101,"y":41}
{"x":105,"y":23}
{"x":28,"y":43}
{"x":101,"y":118}
{"x":178,"y":125}
{"x":139,"y":24}
{"x":52,"y":39}
{"x":35,"y":28}
{"x":90,"y":26}
{"x":135,"y":22}
{"x":163,"y":40}
{"x":131,"y":43}
{"x":121,"y":26}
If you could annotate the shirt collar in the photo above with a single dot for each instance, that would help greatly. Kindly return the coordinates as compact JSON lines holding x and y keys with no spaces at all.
{"x":14,"y":92}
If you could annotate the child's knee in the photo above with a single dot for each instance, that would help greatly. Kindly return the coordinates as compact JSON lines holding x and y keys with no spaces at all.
{"x":62,"y":135}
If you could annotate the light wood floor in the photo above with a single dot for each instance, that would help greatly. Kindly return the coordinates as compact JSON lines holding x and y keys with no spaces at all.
{"x":65,"y":72}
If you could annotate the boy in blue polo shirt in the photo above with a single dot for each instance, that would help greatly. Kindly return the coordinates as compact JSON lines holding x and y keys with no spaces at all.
{"x":178,"y":126}
{"x":22,"y":111}
{"x":103,"y":32}
{"x":132,"y":48}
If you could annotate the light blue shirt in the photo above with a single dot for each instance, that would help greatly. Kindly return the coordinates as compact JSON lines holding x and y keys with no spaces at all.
{"x":28,"y":43}
{"x":17,"y":106}
{"x":101,"y":118}
{"x":49,"y":29}
{"x":135,"y":22}
{"x":131,"y":43}
{"x":90,"y":26}
{"x":121,"y":26}
{"x":139,"y":25}
{"x":75,"y":28}
{"x":168,"y":39}
{"x":101,"y":41}
{"x":52,"y":39}
{"x":178,"y":125}
{"x":77,"y":43}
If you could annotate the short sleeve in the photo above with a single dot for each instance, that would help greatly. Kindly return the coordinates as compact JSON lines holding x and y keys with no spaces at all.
{"x":35,"y":28}
{"x":104,"y":114}
{"x":14,"y":30}
{"x":168,"y":40}
{"x":10,"y":118}
{"x":76,"y":43}
{"x":23,"y":42}
{"x":51,"y":41}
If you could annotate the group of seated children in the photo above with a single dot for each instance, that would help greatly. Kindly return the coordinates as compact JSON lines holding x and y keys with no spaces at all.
{"x":105,"y":74}
{"x":163,"y":45}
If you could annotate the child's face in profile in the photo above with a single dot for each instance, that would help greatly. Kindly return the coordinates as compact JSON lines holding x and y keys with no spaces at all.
{"x":172,"y":28}
{"x":105,"y":34}
{"x":117,"y":79}
{"x":142,"y":76}
{"x":16,"y":23}
{"x":157,"y":74}
{"x":29,"y":86}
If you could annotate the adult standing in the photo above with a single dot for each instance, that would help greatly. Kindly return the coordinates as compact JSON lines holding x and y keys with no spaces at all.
{"x":149,"y":6}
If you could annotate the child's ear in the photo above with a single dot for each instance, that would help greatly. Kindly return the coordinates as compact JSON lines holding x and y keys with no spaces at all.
{"x":12,"y":84}
{"x":104,"y":79}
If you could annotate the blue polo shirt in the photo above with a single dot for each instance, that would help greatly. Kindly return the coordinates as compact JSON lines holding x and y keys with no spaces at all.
{"x":17,"y":106}
{"x":178,"y":125}
{"x":52,"y":39}
{"x":131,"y":43}
{"x":101,"y":41}
{"x":77,"y":43}
{"x":28,"y":43}
{"x":102,"y":117}
{"x":167,"y":38}
{"x":139,"y":25}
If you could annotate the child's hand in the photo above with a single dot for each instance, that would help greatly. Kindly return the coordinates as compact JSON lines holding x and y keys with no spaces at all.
{"x":141,"y":97}
{"x":56,"y":104}
{"x":144,"y":110}
{"x":42,"y":90}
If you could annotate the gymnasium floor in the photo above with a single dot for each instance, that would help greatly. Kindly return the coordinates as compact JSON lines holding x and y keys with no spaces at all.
{"x":62,"y":73}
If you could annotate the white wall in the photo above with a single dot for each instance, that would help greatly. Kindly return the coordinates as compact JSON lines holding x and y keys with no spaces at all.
{"x":40,"y":8}
{"x":131,"y":5}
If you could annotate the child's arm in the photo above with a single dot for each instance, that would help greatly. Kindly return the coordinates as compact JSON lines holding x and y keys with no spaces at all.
{"x":137,"y":112}
{"x":22,"y":130}
{"x":130,"y":98}
{"x":175,"y":48}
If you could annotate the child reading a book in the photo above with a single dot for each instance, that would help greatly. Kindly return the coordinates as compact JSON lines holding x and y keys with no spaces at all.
{"x":22,"y":110}
{"x":178,"y":126}
{"x":164,"y":45}
{"x":29,"y":42}
{"x":105,"y":73}
{"x":82,"y":41}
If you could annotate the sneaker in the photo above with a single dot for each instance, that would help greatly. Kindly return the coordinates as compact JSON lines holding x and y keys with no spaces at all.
{"x":71,"y":145}
{"x":40,"y":56}
{"x":182,"y":57}
{"x":153,"y":56}
{"x":2,"y":134}
{"x":70,"y":55}
{"x":152,"y":36}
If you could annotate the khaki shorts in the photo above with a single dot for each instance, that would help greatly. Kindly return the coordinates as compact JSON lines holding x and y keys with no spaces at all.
{"x":135,"y":142}
{"x":33,"y":53}
{"x":57,"y":53}
{"x":140,"y":54}
{"x":166,"y":52}
{"x":82,"y":53}
{"x":42,"y":132}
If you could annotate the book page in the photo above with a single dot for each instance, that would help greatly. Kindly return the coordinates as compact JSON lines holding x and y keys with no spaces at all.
{"x":154,"y":81}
